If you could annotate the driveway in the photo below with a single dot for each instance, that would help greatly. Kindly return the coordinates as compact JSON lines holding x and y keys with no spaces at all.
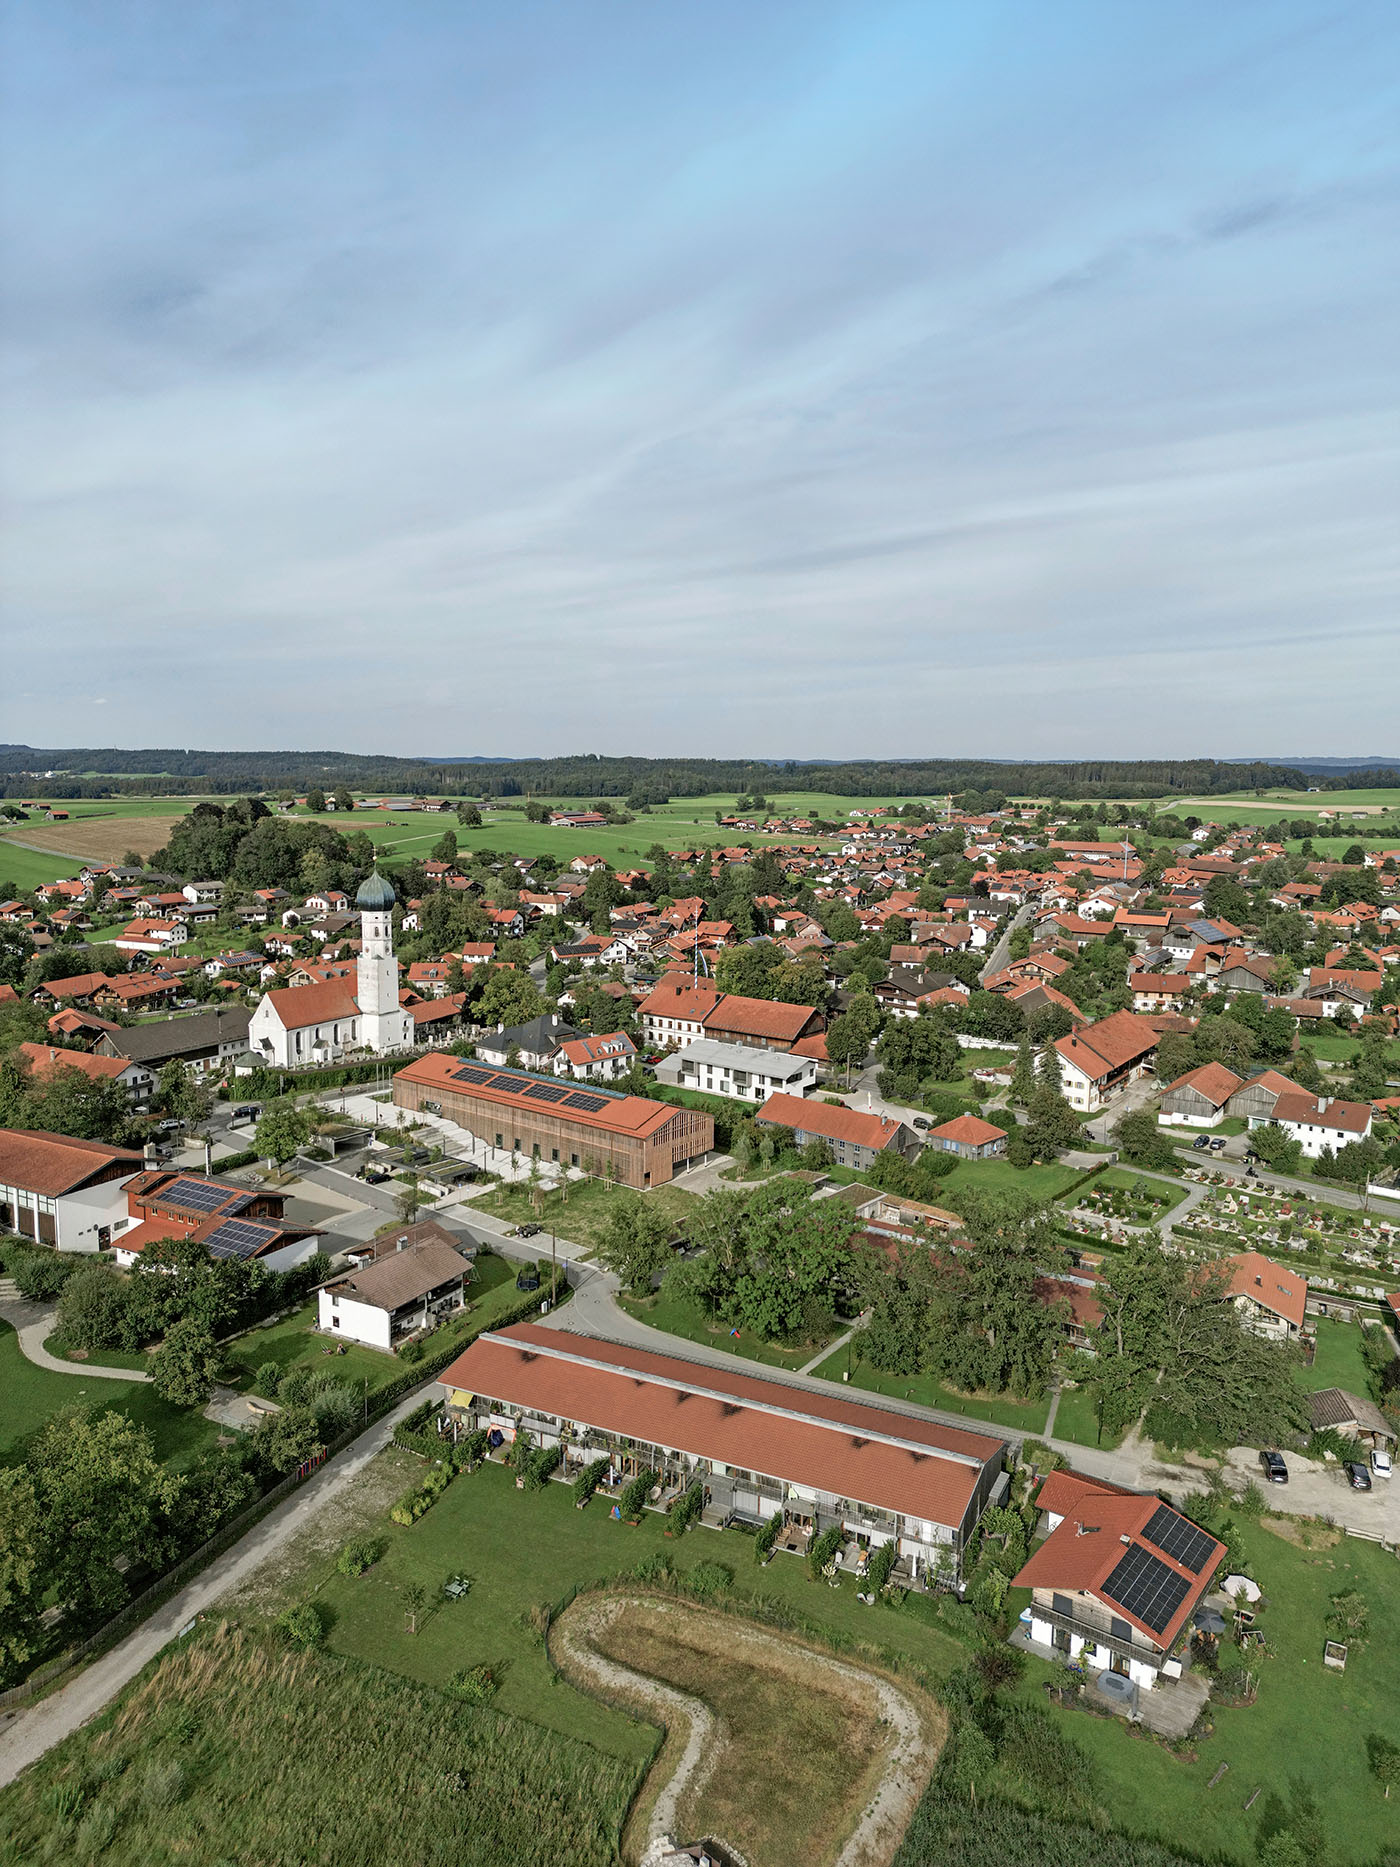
{"x":37,"y":1727}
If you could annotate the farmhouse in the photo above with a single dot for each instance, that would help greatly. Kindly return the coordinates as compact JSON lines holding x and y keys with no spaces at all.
{"x":1114,"y":1584}
{"x":757,"y":1446}
{"x":1198,"y":1099}
{"x":1316,"y":1122}
{"x":44,"y":1060}
{"x":1102,"y":1058}
{"x":595,"y":1059}
{"x":62,"y":1192}
{"x":1270,"y":1298}
{"x":677,"y":1013}
{"x":638,"y":1142}
{"x":207,"y":1042}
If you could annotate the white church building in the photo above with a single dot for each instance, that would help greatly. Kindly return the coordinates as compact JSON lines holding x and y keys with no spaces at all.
{"x":301,"y":1026}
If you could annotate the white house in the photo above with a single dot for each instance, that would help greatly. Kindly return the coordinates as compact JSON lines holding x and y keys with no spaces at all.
{"x":1317,"y":1122}
{"x":1100,"y":1059}
{"x":408,"y":1291}
{"x":303,"y":1025}
{"x":596,"y":1059}
{"x":738,"y":1070}
{"x":142,"y":936}
{"x":62,"y":1192}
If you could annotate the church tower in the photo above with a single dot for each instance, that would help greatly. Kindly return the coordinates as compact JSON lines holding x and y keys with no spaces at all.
{"x":384,"y":1025}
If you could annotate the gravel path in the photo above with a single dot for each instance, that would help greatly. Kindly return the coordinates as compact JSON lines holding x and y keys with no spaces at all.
{"x":907,"y":1766}
{"x":34,"y":1323}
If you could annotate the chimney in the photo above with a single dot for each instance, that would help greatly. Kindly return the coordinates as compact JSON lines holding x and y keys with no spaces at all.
{"x":401,"y":1241}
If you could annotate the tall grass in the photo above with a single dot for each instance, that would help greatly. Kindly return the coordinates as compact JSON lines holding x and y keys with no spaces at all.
{"x":232,"y":1749}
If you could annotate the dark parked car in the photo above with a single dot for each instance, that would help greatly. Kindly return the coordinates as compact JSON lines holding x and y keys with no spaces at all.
{"x":919,"y":1122}
{"x":527,"y":1231}
{"x":1358,"y":1476}
{"x":1201,"y":1141}
{"x":1274,"y":1468}
{"x":245,"y":1112}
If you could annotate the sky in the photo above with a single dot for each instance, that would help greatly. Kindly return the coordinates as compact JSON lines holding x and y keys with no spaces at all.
{"x":782,"y":380}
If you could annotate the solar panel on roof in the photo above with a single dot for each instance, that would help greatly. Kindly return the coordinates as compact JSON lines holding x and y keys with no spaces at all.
{"x":196,"y":1195}
{"x":1143,"y":1586}
{"x":546,"y":1092}
{"x":239,"y":1238}
{"x":470,"y":1073}
{"x":589,"y":1104}
{"x":1181,"y":1540}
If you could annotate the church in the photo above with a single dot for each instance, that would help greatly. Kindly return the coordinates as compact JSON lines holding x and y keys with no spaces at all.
{"x":302,"y":1026}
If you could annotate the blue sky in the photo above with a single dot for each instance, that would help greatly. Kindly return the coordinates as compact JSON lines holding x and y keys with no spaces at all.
{"x":795,"y":380}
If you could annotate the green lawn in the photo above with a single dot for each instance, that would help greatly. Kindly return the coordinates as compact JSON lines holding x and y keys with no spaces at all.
{"x":582,"y":1213}
{"x":1045,"y":1182}
{"x":1308,"y":1724}
{"x":22,"y":870}
{"x":523,"y":1549}
{"x":1339,"y":1361}
{"x":680,"y":1316}
{"x":33,"y":1395}
{"x":105,"y":1358}
{"x":294,"y":1341}
{"x":1129,"y":1179}
{"x":1077,"y":1421}
{"x":1026,"y":1416}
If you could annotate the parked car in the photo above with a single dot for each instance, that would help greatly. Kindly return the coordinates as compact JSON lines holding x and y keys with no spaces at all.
{"x":170,"y":1125}
{"x":527,"y":1231}
{"x":372,"y":1176}
{"x":919,"y":1122}
{"x":246,"y":1111}
{"x":1274,"y":1468}
{"x":1217,"y":1145}
{"x":1357,"y":1475}
{"x":1201,"y":1141}
{"x":1380,"y":1463}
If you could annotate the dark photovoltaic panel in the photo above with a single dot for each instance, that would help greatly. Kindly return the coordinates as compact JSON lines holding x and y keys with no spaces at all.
{"x":239,"y":1238}
{"x":1180,"y":1540}
{"x":546,"y":1092}
{"x":195,"y":1195}
{"x":468,"y":1073}
{"x":1143,"y":1586}
{"x":537,"y":1088}
{"x":591,"y":1104}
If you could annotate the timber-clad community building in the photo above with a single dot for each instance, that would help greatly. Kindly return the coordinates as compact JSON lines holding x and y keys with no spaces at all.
{"x":759,"y":1446}
{"x":629,"y":1139}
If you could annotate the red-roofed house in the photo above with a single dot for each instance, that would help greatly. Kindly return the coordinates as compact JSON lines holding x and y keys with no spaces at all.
{"x":1115,"y":1583}
{"x":595,"y":1058}
{"x":855,"y":1139}
{"x":42,"y":1060}
{"x":1102,"y":1058}
{"x":969,"y":1137}
{"x":757,"y":1446}
{"x":1270,"y":1298}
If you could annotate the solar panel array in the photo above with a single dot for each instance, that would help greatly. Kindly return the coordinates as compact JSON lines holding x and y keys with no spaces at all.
{"x":1182,"y":1541}
{"x":239,"y":1238}
{"x":535,"y":1088}
{"x":195,"y":1195}
{"x":1144,"y":1587}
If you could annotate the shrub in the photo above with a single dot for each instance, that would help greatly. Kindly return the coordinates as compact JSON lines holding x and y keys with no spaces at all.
{"x":635,"y":1494}
{"x":267,"y":1379}
{"x":655,"y":1568}
{"x":686,"y":1508}
{"x":823,"y":1549}
{"x":540,"y":1466}
{"x":708,"y":1579}
{"x":589,"y":1479}
{"x":882,"y":1562}
{"x":39,"y":1275}
{"x":767,"y":1537}
{"x":469,"y":1451}
{"x":474,"y":1685}
{"x":359,"y":1554}
{"x":302,"y":1626}
{"x":412,"y":1505}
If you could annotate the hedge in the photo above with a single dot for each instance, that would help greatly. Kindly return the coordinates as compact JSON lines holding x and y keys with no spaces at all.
{"x":413,"y":1504}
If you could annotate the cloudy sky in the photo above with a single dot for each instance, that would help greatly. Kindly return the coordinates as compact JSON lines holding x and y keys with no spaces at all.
{"x":791,"y":379}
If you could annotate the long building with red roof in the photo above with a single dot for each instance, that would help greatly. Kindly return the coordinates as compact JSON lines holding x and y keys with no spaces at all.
{"x":758,"y":1446}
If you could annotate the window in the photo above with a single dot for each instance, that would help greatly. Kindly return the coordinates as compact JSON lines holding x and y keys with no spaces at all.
{"x":1062,"y":1604}
{"x":573,"y":1160}
{"x":498,"y":1138}
{"x":1119,"y":1628}
{"x":554,"y":1153}
{"x":335,"y":1322}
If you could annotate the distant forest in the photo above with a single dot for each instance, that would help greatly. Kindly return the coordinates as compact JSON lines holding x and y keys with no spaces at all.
{"x":110,"y":771}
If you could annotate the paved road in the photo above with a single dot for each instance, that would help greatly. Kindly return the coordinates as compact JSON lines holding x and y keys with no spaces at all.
{"x":36,"y":1728}
{"x":34,"y":1323}
{"x":997,"y":958}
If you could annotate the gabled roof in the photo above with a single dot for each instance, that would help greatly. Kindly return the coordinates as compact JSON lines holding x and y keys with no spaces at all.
{"x":1101,"y":1048}
{"x":297,"y":1006}
{"x":834,"y":1124}
{"x":828,"y":1443}
{"x":1119,"y":1547}
{"x":1211,"y":1080}
{"x":50,"y":1164}
{"x":969,"y":1130}
{"x":45,"y":1059}
{"x":1302,"y":1107}
{"x":1270,"y":1285}
{"x":403,"y":1276}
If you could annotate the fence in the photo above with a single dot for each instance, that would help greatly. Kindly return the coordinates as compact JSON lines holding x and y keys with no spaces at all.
{"x":160,"y":1590}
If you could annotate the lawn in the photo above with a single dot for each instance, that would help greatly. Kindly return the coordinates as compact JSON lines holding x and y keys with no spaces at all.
{"x":232,"y":1749}
{"x":293,"y":1341}
{"x":22,"y":870}
{"x":1339,"y":1361}
{"x":683,"y":1317}
{"x":525,"y":1549}
{"x":1047,"y":1181}
{"x":1076,"y":1420}
{"x":581,"y":1213}
{"x":1025,"y":1416}
{"x":1308,"y":1724}
{"x":103,"y":1358}
{"x":33,"y":1395}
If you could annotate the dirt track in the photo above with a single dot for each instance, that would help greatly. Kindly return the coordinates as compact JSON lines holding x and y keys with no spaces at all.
{"x":700,"y":1736}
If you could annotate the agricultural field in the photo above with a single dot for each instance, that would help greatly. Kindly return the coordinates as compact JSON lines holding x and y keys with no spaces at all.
{"x":231,"y":1748}
{"x":23,"y":870}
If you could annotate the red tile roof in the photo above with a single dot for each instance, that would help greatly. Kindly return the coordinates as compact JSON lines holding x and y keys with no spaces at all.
{"x":1101,"y":1048}
{"x":970,"y":1130}
{"x":50,"y":1164}
{"x":1270,"y":1285}
{"x":836,"y":1124}
{"x":299,"y":1005}
{"x":44,"y":1059}
{"x":827,"y":1443}
{"x":1211,"y":1080}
